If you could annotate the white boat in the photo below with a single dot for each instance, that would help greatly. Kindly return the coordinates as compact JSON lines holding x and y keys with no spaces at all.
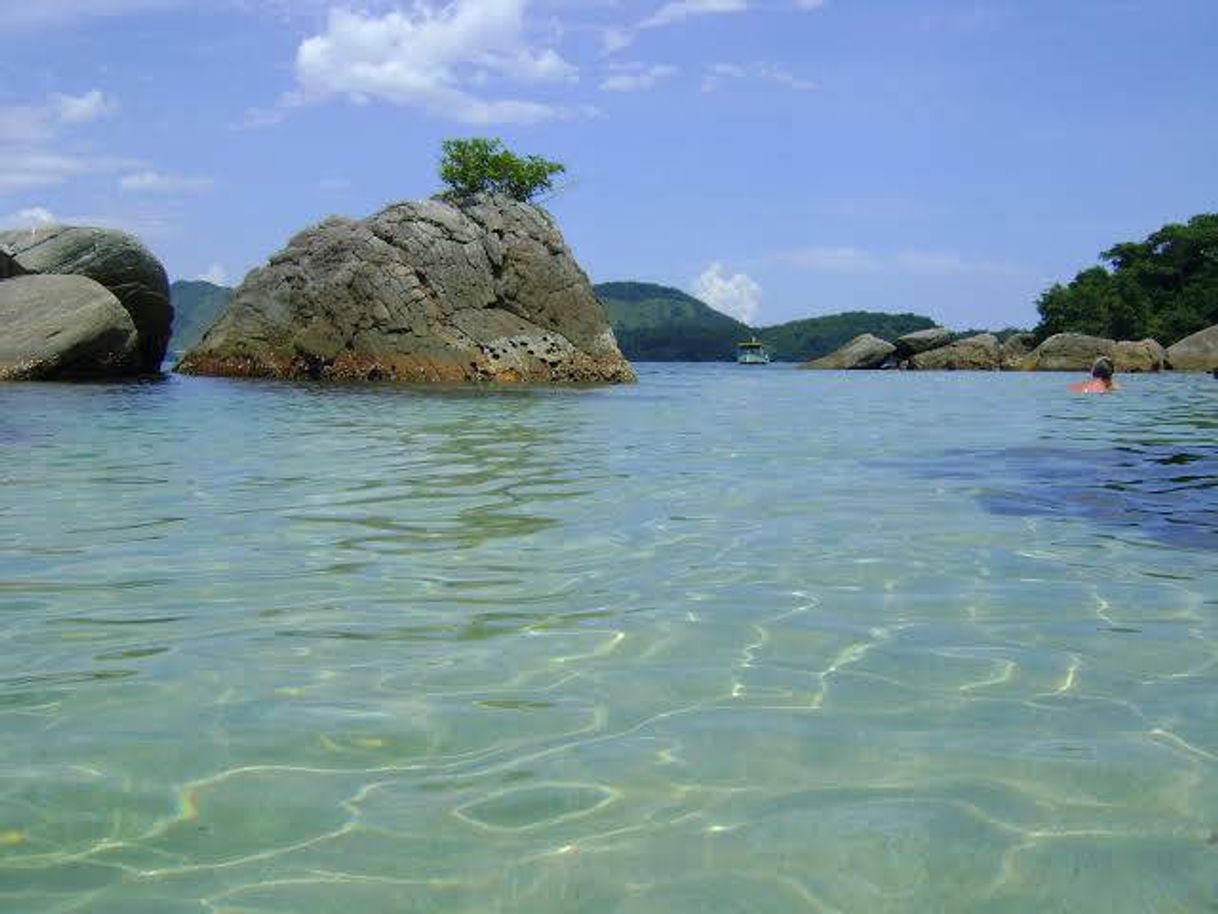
{"x":752,"y":353}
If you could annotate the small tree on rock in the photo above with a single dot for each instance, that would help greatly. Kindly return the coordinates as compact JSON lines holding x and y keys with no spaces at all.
{"x":482,"y":165}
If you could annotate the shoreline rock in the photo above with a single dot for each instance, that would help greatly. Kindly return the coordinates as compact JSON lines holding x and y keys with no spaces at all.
{"x":115,"y":260}
{"x":863,"y":352}
{"x":1196,"y":352}
{"x":1068,"y":352}
{"x":919,"y":341}
{"x":974,"y":353}
{"x":425,"y":291}
{"x":1138,"y":356}
{"x":63,"y":328}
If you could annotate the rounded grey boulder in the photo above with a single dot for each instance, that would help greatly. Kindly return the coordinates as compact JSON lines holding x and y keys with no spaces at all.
{"x":485,"y":290}
{"x":62,"y":327}
{"x":1139,"y":356}
{"x":921,"y":340}
{"x":117,"y":261}
{"x":1068,"y":352}
{"x":975,"y":353}
{"x":1198,"y":352}
{"x":864,"y":351}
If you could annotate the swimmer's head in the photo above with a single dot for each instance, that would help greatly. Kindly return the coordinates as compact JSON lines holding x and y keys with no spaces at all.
{"x":1102,"y":369}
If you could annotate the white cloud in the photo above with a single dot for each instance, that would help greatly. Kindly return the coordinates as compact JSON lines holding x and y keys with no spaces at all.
{"x":40,"y":123}
{"x":80,"y":109}
{"x":615,"y":39}
{"x":636,"y":77}
{"x":22,"y":169}
{"x":31,"y":154}
{"x":154,"y":182}
{"x":143,"y":225}
{"x":32,"y":217}
{"x":677,"y":10}
{"x":737,"y":295}
{"x":215,"y":274}
{"x":431,"y":59}
{"x":720,"y":73}
{"x":809,"y":4}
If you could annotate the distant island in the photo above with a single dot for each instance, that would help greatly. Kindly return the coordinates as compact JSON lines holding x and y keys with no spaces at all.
{"x":196,"y":305}
{"x":655,"y":323}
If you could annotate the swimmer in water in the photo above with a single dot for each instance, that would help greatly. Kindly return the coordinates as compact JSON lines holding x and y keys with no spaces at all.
{"x":1101,"y":379}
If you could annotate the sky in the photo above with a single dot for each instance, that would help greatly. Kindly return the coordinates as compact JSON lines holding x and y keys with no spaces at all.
{"x":779,"y":159}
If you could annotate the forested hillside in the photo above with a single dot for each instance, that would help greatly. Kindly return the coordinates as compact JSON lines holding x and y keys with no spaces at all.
{"x":196,"y":305}
{"x":661,"y":324}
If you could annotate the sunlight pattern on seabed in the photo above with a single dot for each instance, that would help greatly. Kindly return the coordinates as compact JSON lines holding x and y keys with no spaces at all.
{"x":728,"y":640}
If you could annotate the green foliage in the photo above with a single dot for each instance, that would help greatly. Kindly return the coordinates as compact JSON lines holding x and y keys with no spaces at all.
{"x":196,"y":305}
{"x":1165,"y":287}
{"x":659,"y":324}
{"x":482,"y":165}
{"x":813,"y":337}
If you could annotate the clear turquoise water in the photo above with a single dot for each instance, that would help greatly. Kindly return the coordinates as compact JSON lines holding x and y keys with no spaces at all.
{"x":748,"y":640}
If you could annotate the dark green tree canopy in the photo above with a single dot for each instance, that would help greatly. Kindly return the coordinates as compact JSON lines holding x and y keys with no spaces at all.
{"x":1165,"y":287}
{"x":482,"y":165}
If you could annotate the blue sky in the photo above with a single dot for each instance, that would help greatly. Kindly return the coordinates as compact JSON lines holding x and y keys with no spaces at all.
{"x":780,"y":158}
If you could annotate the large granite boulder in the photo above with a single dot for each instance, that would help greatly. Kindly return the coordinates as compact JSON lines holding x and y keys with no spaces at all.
{"x":421,"y":291}
{"x":921,"y":341}
{"x":1198,"y":352}
{"x":63,"y":327}
{"x":975,"y":353}
{"x":116,"y":260}
{"x":1139,"y":356}
{"x":864,"y":351}
{"x":1068,"y":352}
{"x":1015,"y":350}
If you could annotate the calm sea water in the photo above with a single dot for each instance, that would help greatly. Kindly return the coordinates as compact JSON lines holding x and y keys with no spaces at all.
{"x":746,"y":640}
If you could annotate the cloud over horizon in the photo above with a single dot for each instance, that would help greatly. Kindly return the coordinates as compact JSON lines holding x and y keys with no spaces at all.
{"x":737,"y":295}
{"x":435,"y":60}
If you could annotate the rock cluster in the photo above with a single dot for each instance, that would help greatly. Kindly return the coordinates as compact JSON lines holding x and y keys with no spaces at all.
{"x":484,"y":290}
{"x":936,"y":349}
{"x":80,"y":302}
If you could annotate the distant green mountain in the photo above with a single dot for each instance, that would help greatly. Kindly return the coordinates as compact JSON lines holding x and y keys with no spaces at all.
{"x":196,"y":305}
{"x":813,"y":337}
{"x":660,"y":324}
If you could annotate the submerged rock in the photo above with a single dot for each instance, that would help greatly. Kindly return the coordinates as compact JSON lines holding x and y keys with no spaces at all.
{"x":864,"y":351}
{"x":975,"y":353}
{"x":54,"y":327}
{"x":1068,"y":352}
{"x":1198,"y":352}
{"x":117,"y":261}
{"x":421,"y":291}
